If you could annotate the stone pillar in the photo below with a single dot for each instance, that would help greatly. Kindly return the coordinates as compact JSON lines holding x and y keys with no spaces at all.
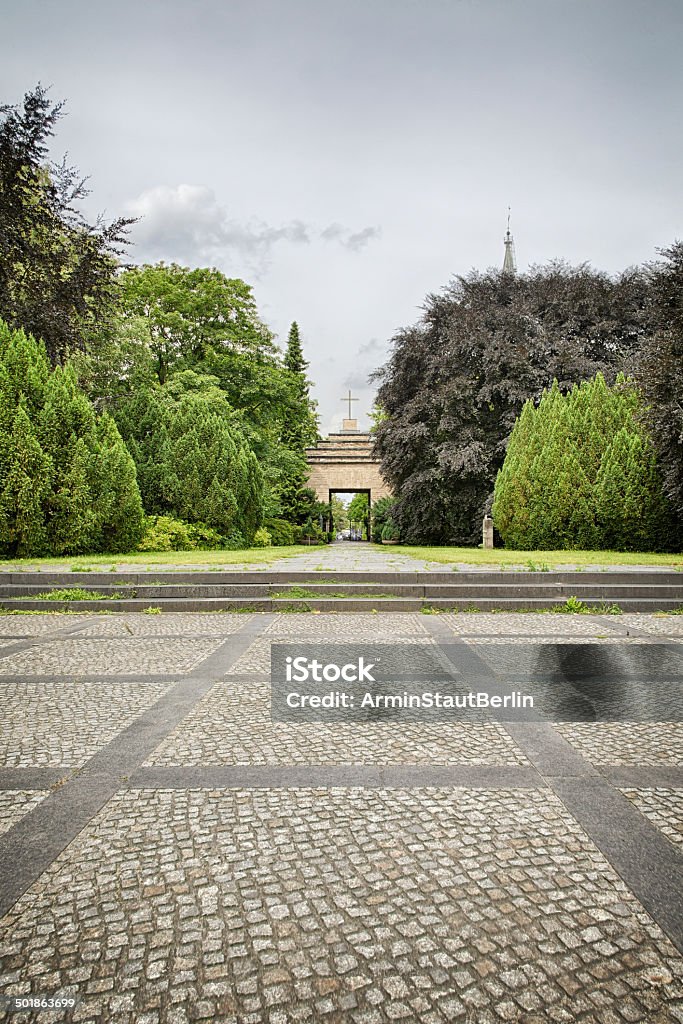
{"x":487,"y":532}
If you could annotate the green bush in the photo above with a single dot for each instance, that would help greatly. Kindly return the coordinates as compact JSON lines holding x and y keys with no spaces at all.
{"x":163,"y":533}
{"x":580,"y":472}
{"x":381,"y":517}
{"x":234,"y":541}
{"x":281,"y":532}
{"x":67,"y":481}
{"x":261,"y":539}
{"x":309,"y":531}
{"x":204,"y":537}
{"x":390,"y":532}
{"x":193,"y":460}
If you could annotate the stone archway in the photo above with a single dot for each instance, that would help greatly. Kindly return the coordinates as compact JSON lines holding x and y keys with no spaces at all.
{"x":345,"y":462}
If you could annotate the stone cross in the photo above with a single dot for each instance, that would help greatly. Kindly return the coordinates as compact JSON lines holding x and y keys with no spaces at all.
{"x":349,"y":400}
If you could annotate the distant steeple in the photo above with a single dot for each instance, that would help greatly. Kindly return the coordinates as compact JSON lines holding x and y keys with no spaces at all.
{"x":509,"y":265}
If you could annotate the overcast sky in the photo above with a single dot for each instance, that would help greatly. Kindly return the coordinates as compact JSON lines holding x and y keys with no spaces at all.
{"x":348,"y":158}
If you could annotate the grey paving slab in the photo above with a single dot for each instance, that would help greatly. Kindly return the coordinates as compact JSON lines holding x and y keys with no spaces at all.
{"x":34,"y":778}
{"x":307,"y":776}
{"x":322,"y":904}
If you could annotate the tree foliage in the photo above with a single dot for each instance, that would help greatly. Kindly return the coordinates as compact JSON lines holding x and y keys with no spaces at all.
{"x":455,"y":382}
{"x":67,"y":481}
{"x":193,"y":460}
{"x":299,"y":431}
{"x":580,"y":472}
{"x":57,"y":271}
{"x":660,"y":372}
{"x":188,"y":330}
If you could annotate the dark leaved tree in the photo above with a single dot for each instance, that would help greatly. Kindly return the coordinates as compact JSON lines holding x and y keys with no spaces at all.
{"x":456,"y":382}
{"x":57,"y":271}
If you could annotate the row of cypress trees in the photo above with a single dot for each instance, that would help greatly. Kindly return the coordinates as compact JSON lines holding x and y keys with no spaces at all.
{"x":193,"y":461}
{"x":580,"y":471}
{"x":67,"y":481}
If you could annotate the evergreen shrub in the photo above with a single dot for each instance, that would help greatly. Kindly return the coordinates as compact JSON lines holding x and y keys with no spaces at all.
{"x":580,"y":472}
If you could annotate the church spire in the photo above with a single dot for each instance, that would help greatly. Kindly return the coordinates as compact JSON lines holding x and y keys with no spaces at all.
{"x":509,"y":265}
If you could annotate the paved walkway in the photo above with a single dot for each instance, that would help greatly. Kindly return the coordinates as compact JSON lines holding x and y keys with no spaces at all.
{"x":354,"y":556}
{"x":170,"y":854}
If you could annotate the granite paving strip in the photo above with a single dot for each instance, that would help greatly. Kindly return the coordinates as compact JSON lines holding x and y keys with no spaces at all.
{"x":28,"y":848}
{"x":33,"y":778}
{"x":639,"y":777}
{"x":644,"y":858}
{"x":206,"y":776}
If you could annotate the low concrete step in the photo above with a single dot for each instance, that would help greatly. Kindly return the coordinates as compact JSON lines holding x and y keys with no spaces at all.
{"x":90,"y":580}
{"x":351,"y":604}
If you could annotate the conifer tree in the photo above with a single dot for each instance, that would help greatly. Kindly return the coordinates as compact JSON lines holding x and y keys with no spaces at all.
{"x":580,"y":472}
{"x":54,"y":468}
{"x":116,"y":497}
{"x":300,"y":431}
{"x":24,"y":485}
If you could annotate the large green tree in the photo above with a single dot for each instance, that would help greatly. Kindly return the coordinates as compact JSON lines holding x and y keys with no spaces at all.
{"x":184,"y":314}
{"x":184,"y":329}
{"x":57,"y":271}
{"x":456,"y":382}
{"x":660,"y":373}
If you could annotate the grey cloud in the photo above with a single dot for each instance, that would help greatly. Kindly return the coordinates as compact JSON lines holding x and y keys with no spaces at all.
{"x":186,"y":223}
{"x":354,"y":240}
{"x":360,"y":239}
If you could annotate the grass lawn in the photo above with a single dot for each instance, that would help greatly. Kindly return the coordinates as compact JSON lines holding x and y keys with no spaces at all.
{"x":211,"y":559}
{"x":539,"y":560}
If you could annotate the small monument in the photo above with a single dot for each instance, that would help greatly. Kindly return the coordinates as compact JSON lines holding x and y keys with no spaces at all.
{"x":487,"y":532}
{"x":350,"y":425}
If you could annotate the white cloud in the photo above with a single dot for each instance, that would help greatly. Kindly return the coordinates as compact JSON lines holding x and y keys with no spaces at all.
{"x":187,"y":224}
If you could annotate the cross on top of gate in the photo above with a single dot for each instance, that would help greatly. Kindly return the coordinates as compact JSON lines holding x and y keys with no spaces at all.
{"x":348,"y":399}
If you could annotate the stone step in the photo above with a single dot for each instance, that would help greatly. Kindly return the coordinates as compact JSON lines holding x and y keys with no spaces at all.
{"x":91,"y":580}
{"x":602,"y":591}
{"x":350,"y":604}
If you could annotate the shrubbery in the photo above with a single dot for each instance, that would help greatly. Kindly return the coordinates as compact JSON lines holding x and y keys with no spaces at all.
{"x":281,"y":532}
{"x":193,"y":461}
{"x":580,"y":472}
{"x":381,"y":517}
{"x":164,"y":533}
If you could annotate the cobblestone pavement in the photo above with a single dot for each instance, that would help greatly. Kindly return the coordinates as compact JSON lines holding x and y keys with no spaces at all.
{"x":170,"y":854}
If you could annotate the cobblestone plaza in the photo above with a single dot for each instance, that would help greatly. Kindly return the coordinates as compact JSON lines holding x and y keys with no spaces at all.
{"x":170,"y":854}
